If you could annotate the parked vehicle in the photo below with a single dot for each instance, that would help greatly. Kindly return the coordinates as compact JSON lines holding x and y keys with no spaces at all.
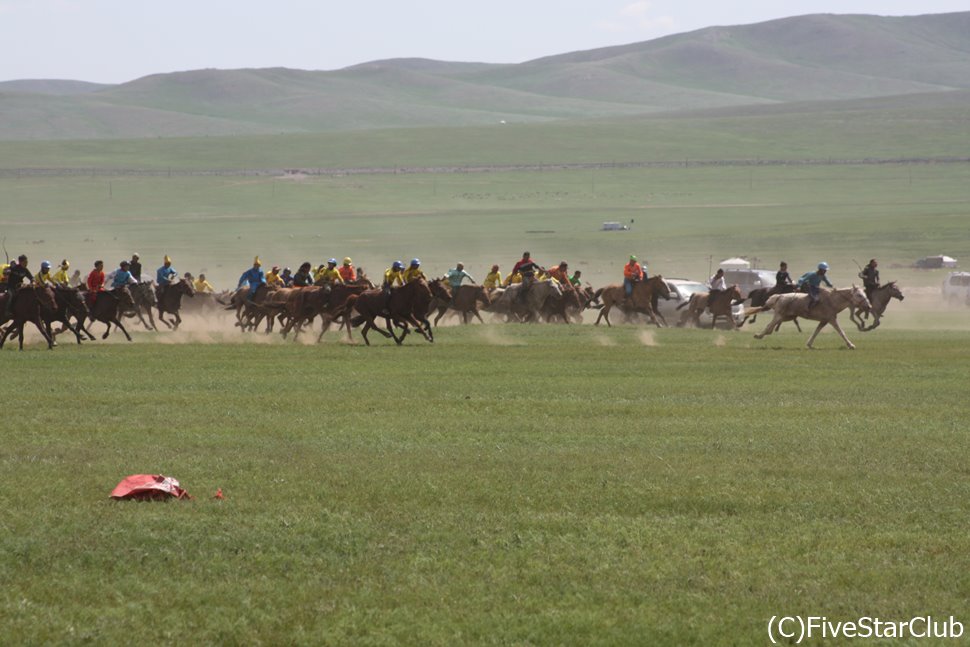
{"x":680,"y":291}
{"x":748,"y":280}
{"x":956,"y":287}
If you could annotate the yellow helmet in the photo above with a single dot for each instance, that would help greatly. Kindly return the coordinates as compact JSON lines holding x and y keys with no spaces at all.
{"x":167,"y":259}
{"x":256,"y":262}
{"x":347,"y":261}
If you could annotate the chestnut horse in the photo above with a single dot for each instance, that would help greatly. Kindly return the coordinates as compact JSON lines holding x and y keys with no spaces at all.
{"x":641,"y":299}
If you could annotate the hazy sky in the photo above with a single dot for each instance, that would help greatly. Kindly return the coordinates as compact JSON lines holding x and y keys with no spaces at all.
{"x":112,"y":41}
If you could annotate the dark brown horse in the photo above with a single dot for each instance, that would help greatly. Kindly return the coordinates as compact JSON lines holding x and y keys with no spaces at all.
{"x":406,"y":306}
{"x":69,"y":303}
{"x":170,"y":301}
{"x":28,"y":306}
{"x":108,"y":307}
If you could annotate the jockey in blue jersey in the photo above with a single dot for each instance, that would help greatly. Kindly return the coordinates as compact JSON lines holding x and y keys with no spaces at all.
{"x":165,"y":276}
{"x":121,"y":277}
{"x":255,"y":277}
{"x":811,"y":281}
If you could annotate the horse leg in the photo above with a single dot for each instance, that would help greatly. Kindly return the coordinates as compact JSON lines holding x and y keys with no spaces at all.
{"x":605,"y":314}
{"x":107,"y":330}
{"x":838,"y":329}
{"x":770,"y":328}
{"x":118,"y":324}
{"x":178,"y":321}
{"x":818,"y":329}
{"x":475,"y":312}
{"x":441,"y":313}
{"x":6,"y":333}
{"x":161,"y":317}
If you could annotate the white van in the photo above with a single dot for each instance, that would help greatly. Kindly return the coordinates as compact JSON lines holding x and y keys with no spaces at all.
{"x":956,"y":287}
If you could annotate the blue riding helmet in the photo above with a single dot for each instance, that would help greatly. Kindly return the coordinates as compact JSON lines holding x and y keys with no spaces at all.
{"x":823,"y":265}
{"x":332,"y":261}
{"x":46,"y":265}
{"x":415,"y":262}
{"x":397,"y":265}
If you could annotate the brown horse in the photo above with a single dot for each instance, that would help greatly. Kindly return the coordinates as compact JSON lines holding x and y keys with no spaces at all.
{"x":170,"y":301}
{"x":406,"y":306}
{"x":29,"y":305}
{"x":464,"y":300}
{"x":641,"y":299}
{"x":879,"y":300}
{"x":108,"y":307}
{"x":719,"y":304}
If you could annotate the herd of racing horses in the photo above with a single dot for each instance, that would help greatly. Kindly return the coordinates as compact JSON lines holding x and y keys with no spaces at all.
{"x":394,"y":313}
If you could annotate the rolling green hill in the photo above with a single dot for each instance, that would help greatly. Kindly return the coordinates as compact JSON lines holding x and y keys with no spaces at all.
{"x":817,"y":57}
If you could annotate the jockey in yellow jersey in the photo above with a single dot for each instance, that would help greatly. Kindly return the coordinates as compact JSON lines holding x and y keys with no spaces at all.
{"x":414,"y":272}
{"x":493,"y":279}
{"x":203,"y":286}
{"x":329,"y":275}
{"x":61,"y":277}
{"x":273,"y":277}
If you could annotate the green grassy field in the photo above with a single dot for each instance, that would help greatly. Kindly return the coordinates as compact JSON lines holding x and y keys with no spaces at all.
{"x":684,"y":219}
{"x":507,"y":485}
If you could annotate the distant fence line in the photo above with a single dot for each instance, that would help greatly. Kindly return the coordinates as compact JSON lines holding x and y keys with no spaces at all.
{"x":497,"y":168}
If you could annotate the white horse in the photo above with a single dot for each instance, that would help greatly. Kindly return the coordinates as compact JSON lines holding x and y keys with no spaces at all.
{"x":830,"y":303}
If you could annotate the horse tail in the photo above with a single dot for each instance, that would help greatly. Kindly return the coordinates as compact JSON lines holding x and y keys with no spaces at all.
{"x":597,"y":294}
{"x":686,"y":303}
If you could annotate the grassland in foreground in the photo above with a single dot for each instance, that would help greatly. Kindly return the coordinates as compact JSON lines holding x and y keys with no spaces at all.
{"x":509,"y":484}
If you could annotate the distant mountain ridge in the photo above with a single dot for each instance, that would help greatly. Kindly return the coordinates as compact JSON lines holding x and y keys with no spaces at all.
{"x":815,"y":57}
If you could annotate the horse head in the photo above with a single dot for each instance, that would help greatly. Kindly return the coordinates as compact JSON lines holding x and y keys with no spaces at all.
{"x":894,"y":291}
{"x":123,"y":295}
{"x":439,"y":288}
{"x":660,"y":285}
{"x":858,"y":298}
{"x":186,"y":288}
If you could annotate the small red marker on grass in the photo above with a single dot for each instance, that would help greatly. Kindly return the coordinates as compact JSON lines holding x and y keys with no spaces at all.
{"x":219,"y":494}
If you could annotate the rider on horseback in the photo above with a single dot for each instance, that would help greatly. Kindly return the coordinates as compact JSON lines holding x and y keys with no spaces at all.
{"x":811,"y":281}
{"x":561,"y":274}
{"x":870,"y":278}
{"x":43,"y":277}
{"x":414,"y":271}
{"x":15,"y":278}
{"x":121,"y":277}
{"x":303,"y":277}
{"x":783,"y":282}
{"x":255,"y":277}
{"x":202,"y":286}
{"x":60,"y":277}
{"x":393,"y":277}
{"x":95,"y":282}
{"x":526,"y":268}
{"x":632,"y":274}
{"x":493,"y":279}
{"x":164,"y":276}
{"x":718,"y":286}
{"x":330,"y":275}
{"x":456,"y":275}
{"x":347,"y":272}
